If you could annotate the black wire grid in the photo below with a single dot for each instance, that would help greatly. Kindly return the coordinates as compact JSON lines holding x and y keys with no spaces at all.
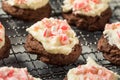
{"x":15,"y":29}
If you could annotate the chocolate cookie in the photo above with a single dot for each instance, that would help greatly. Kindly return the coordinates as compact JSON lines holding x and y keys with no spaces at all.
{"x":4,"y":51}
{"x":88,"y":22}
{"x":27,"y":14}
{"x":34,"y":46}
{"x":111,"y":53}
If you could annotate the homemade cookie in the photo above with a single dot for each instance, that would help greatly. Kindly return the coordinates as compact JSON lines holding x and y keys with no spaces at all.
{"x":91,"y":71}
{"x":54,"y":41}
{"x":109,"y":43}
{"x":90,"y":15}
{"x":4,"y":43}
{"x":11,"y":73}
{"x":29,"y":10}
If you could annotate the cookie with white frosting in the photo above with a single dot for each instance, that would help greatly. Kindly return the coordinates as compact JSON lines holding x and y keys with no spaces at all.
{"x":109,"y":43}
{"x":91,"y":71}
{"x":91,"y":15}
{"x":31,"y":10}
{"x":11,"y":73}
{"x":4,"y":43}
{"x":54,"y":41}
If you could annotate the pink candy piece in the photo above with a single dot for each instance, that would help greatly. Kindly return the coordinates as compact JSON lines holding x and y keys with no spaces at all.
{"x":64,"y":39}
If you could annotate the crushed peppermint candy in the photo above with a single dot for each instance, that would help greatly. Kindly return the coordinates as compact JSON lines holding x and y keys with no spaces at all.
{"x":84,"y":4}
{"x":10,"y":73}
{"x":91,"y":71}
{"x":56,"y":27}
{"x":94,"y":73}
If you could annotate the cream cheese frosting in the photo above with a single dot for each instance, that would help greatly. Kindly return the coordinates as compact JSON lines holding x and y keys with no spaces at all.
{"x":10,"y":73}
{"x":28,"y":4}
{"x":55,"y":35}
{"x":91,"y":71}
{"x":112,"y":34}
{"x":86,"y":7}
{"x":2,"y":35}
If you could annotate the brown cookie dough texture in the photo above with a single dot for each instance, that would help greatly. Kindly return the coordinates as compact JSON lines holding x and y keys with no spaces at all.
{"x":89,"y":23}
{"x":111,"y":53}
{"x":4,"y":51}
{"x":27,"y":14}
{"x":34,"y":46}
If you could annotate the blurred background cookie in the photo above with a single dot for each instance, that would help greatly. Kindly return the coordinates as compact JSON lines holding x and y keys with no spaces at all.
{"x":31,"y":10}
{"x":11,"y":73}
{"x":4,"y":43}
{"x":91,"y":15}
{"x":109,"y":43}
{"x":91,"y":71}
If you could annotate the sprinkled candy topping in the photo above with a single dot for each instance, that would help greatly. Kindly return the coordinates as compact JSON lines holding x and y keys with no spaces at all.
{"x":94,"y":73}
{"x":85,"y":7}
{"x":55,"y":27}
{"x":55,"y":35}
{"x":10,"y":73}
{"x":112,"y":33}
{"x":91,"y":71}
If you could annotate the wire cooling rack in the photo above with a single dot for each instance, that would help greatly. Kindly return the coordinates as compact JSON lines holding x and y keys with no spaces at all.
{"x":15,"y":29}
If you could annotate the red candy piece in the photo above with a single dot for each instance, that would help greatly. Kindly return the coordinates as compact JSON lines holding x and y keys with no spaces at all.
{"x":10,"y":73}
{"x":48,"y":33}
{"x":82,"y":5}
{"x":64,"y":39}
{"x":64,"y":27}
{"x":96,"y":1}
{"x":79,"y":5}
{"x":118,"y":33}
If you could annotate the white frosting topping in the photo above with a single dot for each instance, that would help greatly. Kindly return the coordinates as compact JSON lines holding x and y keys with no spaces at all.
{"x":86,"y":7}
{"x":91,"y":71}
{"x":2,"y":35}
{"x":55,"y":35}
{"x":28,"y":4}
{"x":112,"y":33}
{"x":10,"y":73}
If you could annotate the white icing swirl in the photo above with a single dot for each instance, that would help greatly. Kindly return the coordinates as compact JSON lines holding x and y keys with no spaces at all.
{"x":55,"y":35}
{"x":28,"y":4}
{"x":112,"y":33}
{"x":91,"y":71}
{"x":86,"y":7}
{"x":2,"y":35}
